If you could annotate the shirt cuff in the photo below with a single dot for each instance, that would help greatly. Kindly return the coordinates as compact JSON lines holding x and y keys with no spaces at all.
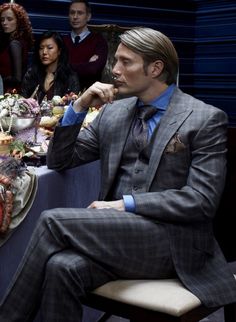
{"x":71,"y":117}
{"x":129,"y":203}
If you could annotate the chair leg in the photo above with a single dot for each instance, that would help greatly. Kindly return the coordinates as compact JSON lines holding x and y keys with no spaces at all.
{"x":230,"y":312}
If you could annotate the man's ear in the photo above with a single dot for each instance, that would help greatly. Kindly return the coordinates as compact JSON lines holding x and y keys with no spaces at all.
{"x":89,"y":16}
{"x":157,"y":68}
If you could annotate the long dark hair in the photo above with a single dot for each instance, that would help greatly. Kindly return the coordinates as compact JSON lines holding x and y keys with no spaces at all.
{"x":63,"y":67}
{"x":65,"y":79}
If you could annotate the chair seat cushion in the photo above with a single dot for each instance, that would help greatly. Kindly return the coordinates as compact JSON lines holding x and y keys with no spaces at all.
{"x":167,"y":296}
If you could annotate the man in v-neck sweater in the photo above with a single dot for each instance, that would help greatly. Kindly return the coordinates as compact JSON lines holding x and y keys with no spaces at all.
{"x":88,"y":53}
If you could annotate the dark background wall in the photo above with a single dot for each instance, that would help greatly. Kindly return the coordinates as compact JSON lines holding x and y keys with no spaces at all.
{"x":215,"y":54}
{"x":203,"y":31}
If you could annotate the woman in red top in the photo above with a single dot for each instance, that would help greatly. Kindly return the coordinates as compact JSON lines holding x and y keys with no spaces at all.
{"x":16,"y":40}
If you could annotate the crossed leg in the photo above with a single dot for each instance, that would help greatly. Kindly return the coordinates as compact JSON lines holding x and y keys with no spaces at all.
{"x":73,"y":251}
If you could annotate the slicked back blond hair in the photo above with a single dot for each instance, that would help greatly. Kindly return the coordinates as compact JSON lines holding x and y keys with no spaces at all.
{"x":153,"y":45}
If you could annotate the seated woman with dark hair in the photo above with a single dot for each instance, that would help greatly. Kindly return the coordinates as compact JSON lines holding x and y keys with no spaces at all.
{"x":50,"y":73}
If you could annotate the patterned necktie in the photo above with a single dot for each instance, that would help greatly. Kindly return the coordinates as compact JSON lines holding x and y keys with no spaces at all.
{"x":77,"y":39}
{"x":140,"y":127}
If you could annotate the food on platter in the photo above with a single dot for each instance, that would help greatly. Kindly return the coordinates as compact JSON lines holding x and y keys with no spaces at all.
{"x":5,"y":142}
{"x":14,"y":104}
{"x":66,"y":99}
{"x":48,"y":121}
{"x":90,"y":116}
{"x":46,"y":132}
{"x":17,"y":149}
{"x":39,"y":149}
{"x":58,"y":110}
{"x":5,"y":138}
{"x":56,"y":100}
{"x":17,"y":113}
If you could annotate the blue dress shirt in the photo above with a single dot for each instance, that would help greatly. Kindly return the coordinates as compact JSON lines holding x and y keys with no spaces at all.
{"x":71,"y":117}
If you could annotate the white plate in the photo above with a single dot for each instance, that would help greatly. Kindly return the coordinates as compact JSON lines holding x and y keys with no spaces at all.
{"x":37,"y":150}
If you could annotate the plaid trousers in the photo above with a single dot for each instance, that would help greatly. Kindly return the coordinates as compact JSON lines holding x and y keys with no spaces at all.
{"x":73,"y":251}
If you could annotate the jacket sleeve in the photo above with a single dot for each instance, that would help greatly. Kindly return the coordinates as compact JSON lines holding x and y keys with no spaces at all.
{"x":70,"y":146}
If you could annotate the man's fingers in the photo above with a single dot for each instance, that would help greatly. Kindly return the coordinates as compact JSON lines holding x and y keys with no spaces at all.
{"x":117,"y":204}
{"x":99,"y":205}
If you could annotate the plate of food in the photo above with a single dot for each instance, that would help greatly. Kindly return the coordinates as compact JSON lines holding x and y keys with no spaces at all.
{"x":38,"y":149}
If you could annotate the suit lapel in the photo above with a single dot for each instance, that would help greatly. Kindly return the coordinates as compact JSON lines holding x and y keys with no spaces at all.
{"x":174,"y":116}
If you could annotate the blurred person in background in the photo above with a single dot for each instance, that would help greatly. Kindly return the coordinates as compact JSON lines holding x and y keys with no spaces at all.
{"x":87,"y":50}
{"x":16,"y":40}
{"x":50,"y":73}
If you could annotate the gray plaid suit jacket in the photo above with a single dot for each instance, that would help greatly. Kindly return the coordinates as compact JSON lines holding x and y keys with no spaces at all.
{"x":183,"y":185}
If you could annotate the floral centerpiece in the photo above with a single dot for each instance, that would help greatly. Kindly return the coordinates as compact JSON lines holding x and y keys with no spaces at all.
{"x":58,"y":105}
{"x":17,"y":112}
{"x":52,"y":110}
{"x":32,"y":124}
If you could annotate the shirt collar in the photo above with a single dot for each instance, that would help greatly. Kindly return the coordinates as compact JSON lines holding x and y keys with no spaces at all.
{"x":162,"y":101}
{"x":82,"y":35}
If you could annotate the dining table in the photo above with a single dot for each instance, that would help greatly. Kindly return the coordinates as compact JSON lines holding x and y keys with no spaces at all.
{"x":75,"y":188}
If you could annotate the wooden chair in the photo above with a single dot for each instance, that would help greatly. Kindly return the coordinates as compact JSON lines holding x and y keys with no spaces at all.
{"x":111,"y":33}
{"x":151,"y":301}
{"x":168,"y":300}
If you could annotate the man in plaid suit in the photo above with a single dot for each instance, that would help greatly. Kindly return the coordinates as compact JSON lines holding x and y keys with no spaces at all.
{"x":154,"y":215}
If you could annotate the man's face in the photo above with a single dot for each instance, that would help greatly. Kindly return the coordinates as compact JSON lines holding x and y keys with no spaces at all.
{"x":131,"y":79}
{"x":78,"y":16}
